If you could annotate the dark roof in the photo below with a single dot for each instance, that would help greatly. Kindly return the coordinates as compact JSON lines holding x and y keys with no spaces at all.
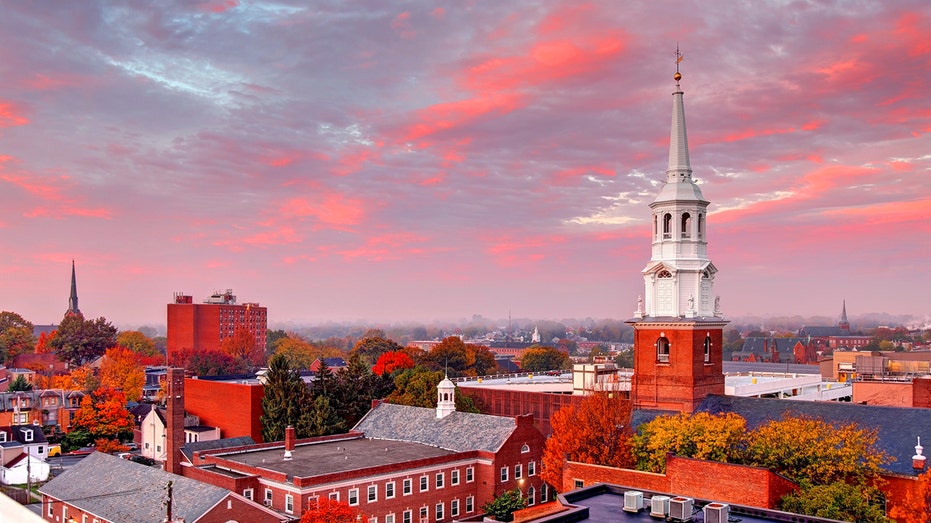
{"x":188,"y":449}
{"x":18,"y":432}
{"x":898,"y":427}
{"x":199,"y":428}
{"x":458,"y":431}
{"x":120,"y":490}
{"x":822,"y":331}
{"x":334,"y":362}
{"x":759,"y":345}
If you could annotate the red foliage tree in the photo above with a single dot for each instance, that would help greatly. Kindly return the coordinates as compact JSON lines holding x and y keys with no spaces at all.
{"x":326,"y":510}
{"x":103,"y":414}
{"x":42,"y":346}
{"x":392,"y":361}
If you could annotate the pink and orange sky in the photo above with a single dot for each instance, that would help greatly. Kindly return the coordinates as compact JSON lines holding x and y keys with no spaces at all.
{"x":424,"y":160}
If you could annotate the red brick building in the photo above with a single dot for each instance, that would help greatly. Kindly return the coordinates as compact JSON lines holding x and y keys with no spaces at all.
{"x":204,"y":326}
{"x":398,"y":465}
{"x":210,"y":401}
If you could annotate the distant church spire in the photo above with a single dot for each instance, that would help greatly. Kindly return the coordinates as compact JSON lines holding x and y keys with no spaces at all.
{"x":73,"y":309}
{"x":843,"y":323}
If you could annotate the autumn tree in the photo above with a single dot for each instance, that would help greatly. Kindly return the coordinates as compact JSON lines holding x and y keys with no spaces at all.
{"x":241,"y":345}
{"x":373,"y":345}
{"x":300,"y":353}
{"x":325,"y":510}
{"x":700,"y":436}
{"x":285,"y":401}
{"x":121,"y":369}
{"x":417,"y":388}
{"x":138,"y":343}
{"x":537,"y":359}
{"x":80,"y":378}
{"x":838,"y":501}
{"x":389,"y":362}
{"x":203,"y":362}
{"x":595,"y":431}
{"x":819,"y":455}
{"x":916,"y":508}
{"x":79,"y":341}
{"x":103,"y":414}
{"x":42,"y":346}
{"x":457,"y":358}
{"x":15,"y":336}
{"x":357,"y":386}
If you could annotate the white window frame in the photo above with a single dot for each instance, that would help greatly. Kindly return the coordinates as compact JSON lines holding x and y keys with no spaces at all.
{"x":247,"y":493}
{"x":440,"y":511}
{"x":389,"y":518}
{"x":440,"y":480}
{"x":454,"y":508}
{"x":518,"y":471}
{"x":532,"y":468}
{"x":372,"y":494}
{"x":531,"y":496}
{"x":268,"y":494}
{"x":333,"y":496}
{"x":454,"y":477}
{"x":353,"y":497}
{"x":407,"y":516}
{"x":407,"y":487}
{"x":424,"y":514}
{"x":289,"y":503}
{"x":424,"y":483}
{"x":504,"y":474}
{"x":470,"y":475}
{"x":470,"y":504}
{"x":389,"y":491}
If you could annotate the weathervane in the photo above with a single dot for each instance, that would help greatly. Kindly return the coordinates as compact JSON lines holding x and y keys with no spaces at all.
{"x":679,"y":57}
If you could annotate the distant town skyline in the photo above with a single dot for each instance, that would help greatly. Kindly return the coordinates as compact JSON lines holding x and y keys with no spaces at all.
{"x":424,"y":161}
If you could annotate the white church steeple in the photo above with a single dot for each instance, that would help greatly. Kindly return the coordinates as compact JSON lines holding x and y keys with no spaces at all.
{"x":679,"y":278}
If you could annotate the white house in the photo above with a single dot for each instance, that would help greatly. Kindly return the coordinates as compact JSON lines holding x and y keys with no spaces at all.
{"x":16,"y":471}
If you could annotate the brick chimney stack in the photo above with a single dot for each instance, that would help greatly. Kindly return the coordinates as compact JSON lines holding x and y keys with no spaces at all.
{"x":918,"y":461}
{"x":175,"y":429}
{"x":289,"y":437}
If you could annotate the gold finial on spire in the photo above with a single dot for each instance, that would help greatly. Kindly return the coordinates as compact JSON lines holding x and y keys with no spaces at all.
{"x":679,"y":57}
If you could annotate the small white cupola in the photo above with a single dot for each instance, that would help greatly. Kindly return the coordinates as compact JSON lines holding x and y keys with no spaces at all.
{"x":918,"y":461}
{"x":446,"y":398}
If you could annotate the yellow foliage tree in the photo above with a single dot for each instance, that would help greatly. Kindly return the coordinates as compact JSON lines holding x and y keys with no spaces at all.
{"x":299,"y":353}
{"x":121,"y":369}
{"x":700,"y":435}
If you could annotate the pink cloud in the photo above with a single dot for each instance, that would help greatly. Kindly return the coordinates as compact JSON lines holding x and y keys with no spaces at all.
{"x":218,"y":6}
{"x":11,"y":115}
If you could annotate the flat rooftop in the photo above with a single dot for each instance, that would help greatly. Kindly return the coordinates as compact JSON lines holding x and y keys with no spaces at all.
{"x":314,"y":459}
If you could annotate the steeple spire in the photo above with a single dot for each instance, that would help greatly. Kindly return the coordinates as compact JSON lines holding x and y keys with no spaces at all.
{"x":843,"y":323}
{"x":680,"y":168}
{"x":73,"y":309}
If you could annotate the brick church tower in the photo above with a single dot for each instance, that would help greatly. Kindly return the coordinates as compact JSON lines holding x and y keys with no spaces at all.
{"x":678,"y":323}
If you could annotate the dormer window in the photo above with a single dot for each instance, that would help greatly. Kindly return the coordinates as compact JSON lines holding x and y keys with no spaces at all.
{"x":27,"y":434}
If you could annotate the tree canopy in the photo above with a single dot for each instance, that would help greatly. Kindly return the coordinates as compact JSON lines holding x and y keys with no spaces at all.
{"x":122,"y":369}
{"x":285,"y":400}
{"x":103,"y":414}
{"x":502,"y":507}
{"x":325,"y":510}
{"x":700,"y":435}
{"x":138,"y":342}
{"x":79,"y":341}
{"x":15,"y":336}
{"x":373,"y":346}
{"x":538,"y":359}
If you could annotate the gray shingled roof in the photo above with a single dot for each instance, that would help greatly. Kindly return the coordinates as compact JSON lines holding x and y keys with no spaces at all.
{"x":459,"y":431}
{"x":122,"y":491}
{"x":191,"y":447}
{"x":898,"y":427}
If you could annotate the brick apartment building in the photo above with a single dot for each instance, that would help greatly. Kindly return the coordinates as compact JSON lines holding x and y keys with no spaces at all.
{"x":399,"y":464}
{"x":205,"y":325}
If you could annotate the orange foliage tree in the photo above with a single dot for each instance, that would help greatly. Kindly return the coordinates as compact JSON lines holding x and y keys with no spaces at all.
{"x":241,"y":345}
{"x":592,"y":432}
{"x":326,"y":510}
{"x":917,"y":505}
{"x":42,"y":346}
{"x":389,"y":362}
{"x":122,"y":369}
{"x":80,"y":378}
{"x":700,"y":436}
{"x":103,"y":414}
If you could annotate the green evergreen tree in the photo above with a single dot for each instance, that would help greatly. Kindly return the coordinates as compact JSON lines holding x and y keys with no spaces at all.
{"x":502,"y":507}
{"x":323,"y":419}
{"x":19,"y":384}
{"x":286,"y":401}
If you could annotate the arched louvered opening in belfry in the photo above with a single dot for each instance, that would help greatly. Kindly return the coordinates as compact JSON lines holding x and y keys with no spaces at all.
{"x":662,"y":348}
{"x":708,"y":347}
{"x":686,"y":225}
{"x":667,"y":225}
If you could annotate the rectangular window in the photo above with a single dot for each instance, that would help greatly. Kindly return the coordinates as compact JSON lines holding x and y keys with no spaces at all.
{"x":406,"y":516}
{"x":504,"y":474}
{"x":289,"y":503}
{"x":532,"y":468}
{"x":424,"y":480}
{"x":470,"y":475}
{"x":268,"y":494}
{"x":439,"y":511}
{"x":334,"y":496}
{"x":247,"y":493}
{"x":470,"y":504}
{"x":158,"y":448}
{"x":406,"y":487}
{"x":373,"y":519}
{"x":353,"y":497}
{"x":454,"y":477}
{"x":454,"y":508}
{"x":83,"y":518}
{"x":50,"y":510}
{"x":440,"y":479}
{"x":578,"y":483}
{"x":543,"y":494}
{"x":423,"y":515}
{"x":531,"y":496}
{"x":389,"y":490}
{"x":389,"y":518}
{"x":518,"y":470}
{"x":64,"y":513}
{"x":373,"y":493}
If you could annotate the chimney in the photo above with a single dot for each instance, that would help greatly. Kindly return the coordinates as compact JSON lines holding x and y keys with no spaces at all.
{"x":918,"y":461}
{"x":175,"y":429}
{"x":289,"y":437}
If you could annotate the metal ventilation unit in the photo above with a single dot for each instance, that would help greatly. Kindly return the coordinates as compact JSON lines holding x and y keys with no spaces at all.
{"x":680,"y":509}
{"x":716,"y":512}
{"x":659,"y":506}
{"x":633,"y":501}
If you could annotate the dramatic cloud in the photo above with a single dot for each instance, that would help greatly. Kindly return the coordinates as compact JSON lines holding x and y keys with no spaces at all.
{"x":406,"y":161}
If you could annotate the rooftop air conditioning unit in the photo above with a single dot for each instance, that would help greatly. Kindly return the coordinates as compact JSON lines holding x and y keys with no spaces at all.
{"x":680,"y":509}
{"x":268,"y":502}
{"x":633,"y":501}
{"x":716,"y":512}
{"x":659,"y":506}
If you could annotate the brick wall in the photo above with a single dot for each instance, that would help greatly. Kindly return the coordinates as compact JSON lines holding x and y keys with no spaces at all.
{"x":710,"y":480}
{"x":500,"y":402}
{"x":892,"y":394}
{"x":921,"y":392}
{"x":212,"y":401}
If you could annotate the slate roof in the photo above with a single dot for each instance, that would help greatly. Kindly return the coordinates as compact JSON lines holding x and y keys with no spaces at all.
{"x":459,"y":431}
{"x":822,"y":331}
{"x":188,"y":449}
{"x":898,"y":427}
{"x":38,"y":437}
{"x":760,"y":345}
{"x":122,"y":491}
